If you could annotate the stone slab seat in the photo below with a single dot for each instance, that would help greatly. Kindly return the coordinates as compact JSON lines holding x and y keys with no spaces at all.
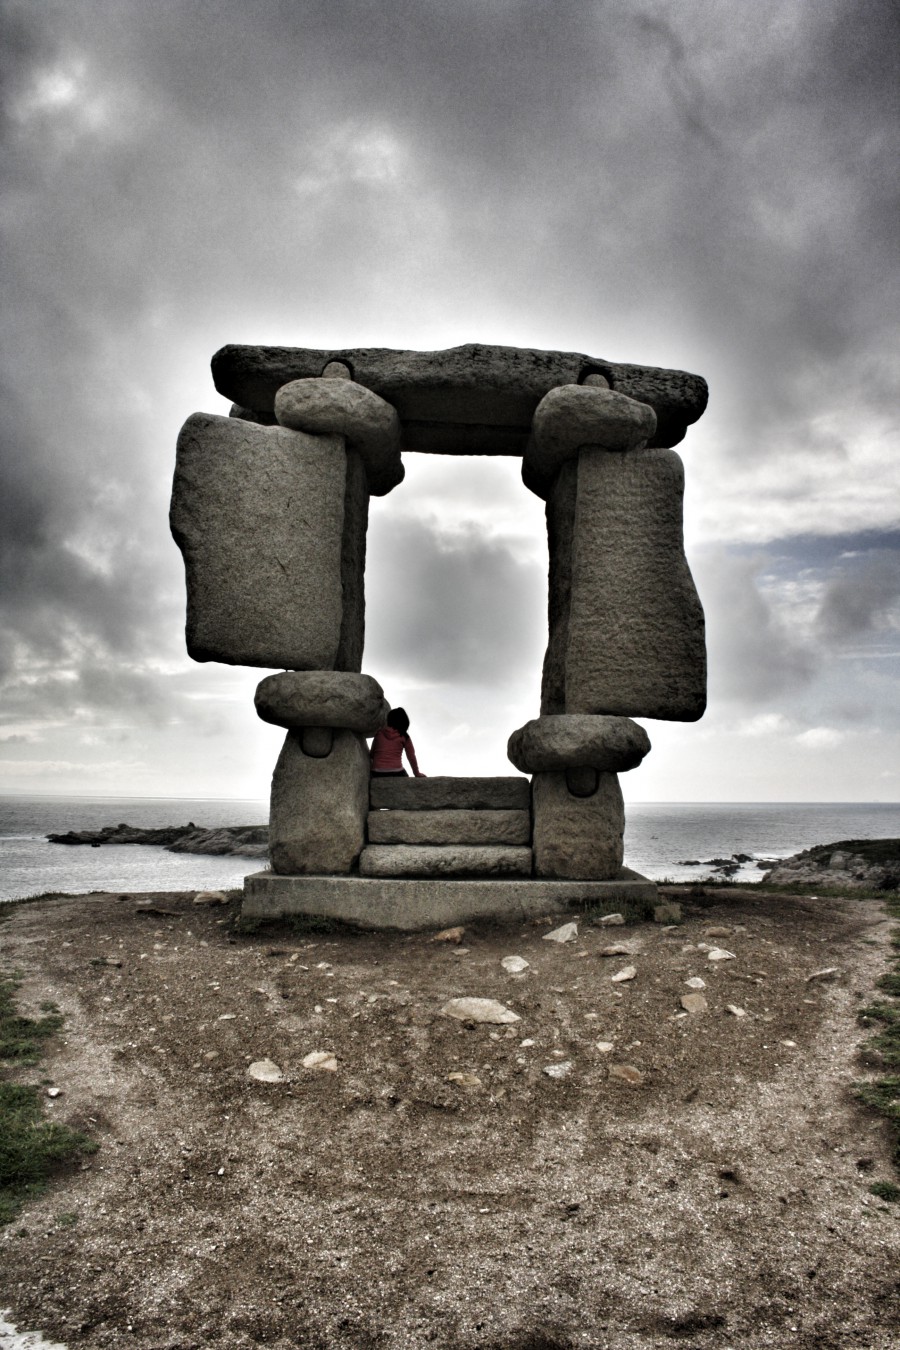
{"x":413,"y":905}
{"x":449,"y":794}
{"x":449,"y":827}
{"x":448,"y":860}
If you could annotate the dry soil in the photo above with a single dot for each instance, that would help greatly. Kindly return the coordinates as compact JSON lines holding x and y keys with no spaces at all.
{"x":719,"y":1200}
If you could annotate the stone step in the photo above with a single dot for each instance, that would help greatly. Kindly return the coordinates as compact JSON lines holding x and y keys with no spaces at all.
{"x":459,"y":860}
{"x":413,"y":905}
{"x":453,"y":794}
{"x":449,"y":827}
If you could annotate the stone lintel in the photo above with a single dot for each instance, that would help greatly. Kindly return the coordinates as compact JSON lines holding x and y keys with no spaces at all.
{"x":416,"y":905}
{"x":449,"y":827}
{"x":490,"y":393}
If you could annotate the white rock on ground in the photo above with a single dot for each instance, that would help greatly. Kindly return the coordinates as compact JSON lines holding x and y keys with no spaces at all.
{"x":625,"y":974}
{"x":265,"y":1071}
{"x":479,"y":1010}
{"x":514,"y":965}
{"x":567,"y":933}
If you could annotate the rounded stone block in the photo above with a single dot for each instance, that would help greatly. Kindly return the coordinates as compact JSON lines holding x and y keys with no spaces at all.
{"x":339,"y":407}
{"x":577,"y":838}
{"x":317,"y":818}
{"x":575,"y":741}
{"x":322,"y":698}
{"x":575,"y":415}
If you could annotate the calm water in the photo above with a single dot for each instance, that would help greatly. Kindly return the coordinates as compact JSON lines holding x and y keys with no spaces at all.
{"x":662,"y":839}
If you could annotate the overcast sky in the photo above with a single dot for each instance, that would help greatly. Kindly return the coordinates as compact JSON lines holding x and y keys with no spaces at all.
{"x":708,"y":185}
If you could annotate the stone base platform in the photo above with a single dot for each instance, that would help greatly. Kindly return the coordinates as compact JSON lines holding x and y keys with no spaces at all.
{"x":412,"y":905}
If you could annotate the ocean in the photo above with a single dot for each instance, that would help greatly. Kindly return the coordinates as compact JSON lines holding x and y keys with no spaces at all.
{"x":663,"y":840}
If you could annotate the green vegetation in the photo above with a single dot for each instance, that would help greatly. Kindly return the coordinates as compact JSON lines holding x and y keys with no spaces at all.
{"x":31,"y":1148}
{"x":885,"y":1190}
{"x":882,"y":1094}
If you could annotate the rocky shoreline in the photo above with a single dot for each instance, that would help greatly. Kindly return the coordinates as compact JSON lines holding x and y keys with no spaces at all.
{"x":245,"y":841}
{"x":872,"y":864}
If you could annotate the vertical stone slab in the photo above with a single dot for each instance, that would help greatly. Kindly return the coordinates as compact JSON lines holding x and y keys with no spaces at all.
{"x":635,"y":644}
{"x":259,"y":513}
{"x":577,"y":838}
{"x":560,"y":513}
{"x":319,"y":804}
{"x":353,"y":566}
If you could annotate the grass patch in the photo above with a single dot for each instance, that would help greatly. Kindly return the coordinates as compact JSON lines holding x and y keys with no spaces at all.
{"x":885,"y":1190}
{"x":883,"y":1093}
{"x":32,"y":1149}
{"x":21,"y":1037}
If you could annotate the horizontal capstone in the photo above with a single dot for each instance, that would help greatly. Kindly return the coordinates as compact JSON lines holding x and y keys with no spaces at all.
{"x":322,"y":698}
{"x":573,"y":740}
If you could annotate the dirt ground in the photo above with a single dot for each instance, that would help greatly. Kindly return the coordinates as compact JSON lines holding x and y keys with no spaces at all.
{"x":720,"y":1201}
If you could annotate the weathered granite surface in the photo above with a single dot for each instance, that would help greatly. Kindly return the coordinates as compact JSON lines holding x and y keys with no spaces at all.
{"x":449,"y":827}
{"x":580,"y":415}
{"x":577,"y":837}
{"x":317,"y":818}
{"x":569,"y":741}
{"x":259,"y":515}
{"x":322,"y":698}
{"x":474,"y":399}
{"x":452,"y":860}
{"x":411,"y":905}
{"x":634,"y":636}
{"x":336,"y":407}
{"x":448,"y":794}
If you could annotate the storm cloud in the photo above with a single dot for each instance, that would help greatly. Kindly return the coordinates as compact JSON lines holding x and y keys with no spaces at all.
{"x":710,"y":187}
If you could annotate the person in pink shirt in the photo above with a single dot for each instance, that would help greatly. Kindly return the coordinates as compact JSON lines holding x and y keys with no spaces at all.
{"x":386,"y":752}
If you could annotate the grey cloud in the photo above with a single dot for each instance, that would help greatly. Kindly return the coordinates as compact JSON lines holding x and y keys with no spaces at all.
{"x":754,"y":658}
{"x":458,"y":608}
{"x":863,"y":598}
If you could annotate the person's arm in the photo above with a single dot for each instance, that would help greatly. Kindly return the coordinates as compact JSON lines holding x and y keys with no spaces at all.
{"x":411,"y":756}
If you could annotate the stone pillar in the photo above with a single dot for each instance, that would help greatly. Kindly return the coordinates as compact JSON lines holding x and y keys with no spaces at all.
{"x":320,"y":788}
{"x":577,"y":809}
{"x":320,"y":799}
{"x":626,"y":624}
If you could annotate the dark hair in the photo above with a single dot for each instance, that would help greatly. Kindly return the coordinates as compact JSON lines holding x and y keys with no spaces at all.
{"x":398,"y":719}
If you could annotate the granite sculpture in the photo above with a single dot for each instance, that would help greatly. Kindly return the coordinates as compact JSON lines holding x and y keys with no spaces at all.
{"x":270,"y":507}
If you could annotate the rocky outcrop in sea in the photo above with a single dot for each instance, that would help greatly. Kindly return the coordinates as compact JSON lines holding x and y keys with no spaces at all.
{"x":245,"y":841}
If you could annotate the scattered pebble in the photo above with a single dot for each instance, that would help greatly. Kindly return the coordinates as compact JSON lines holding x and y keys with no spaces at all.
{"x":54,"y":1092}
{"x":567,"y":933}
{"x":464,"y":1080}
{"x":718,"y":932}
{"x":265,"y":1071}
{"x":449,"y":935}
{"x":668,"y":912}
{"x":735,"y":1010}
{"x":227,"y":1017}
{"x":694,"y":1003}
{"x":605,"y":1047}
{"x":627,"y":1073}
{"x":209,"y":898}
{"x":527,"y":1043}
{"x":609,"y":920}
{"x":617,"y":949}
{"x":829,"y":973}
{"x":514,"y":965}
{"x":561,"y":1070}
{"x":720,"y":954}
{"x":321,"y":1059}
{"x":695,"y":982}
{"x":792,"y":1045}
{"x":626,"y":973}
{"x":479,"y":1010}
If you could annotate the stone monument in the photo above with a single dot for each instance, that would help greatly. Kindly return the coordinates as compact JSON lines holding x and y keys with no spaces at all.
{"x":269,"y":509}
